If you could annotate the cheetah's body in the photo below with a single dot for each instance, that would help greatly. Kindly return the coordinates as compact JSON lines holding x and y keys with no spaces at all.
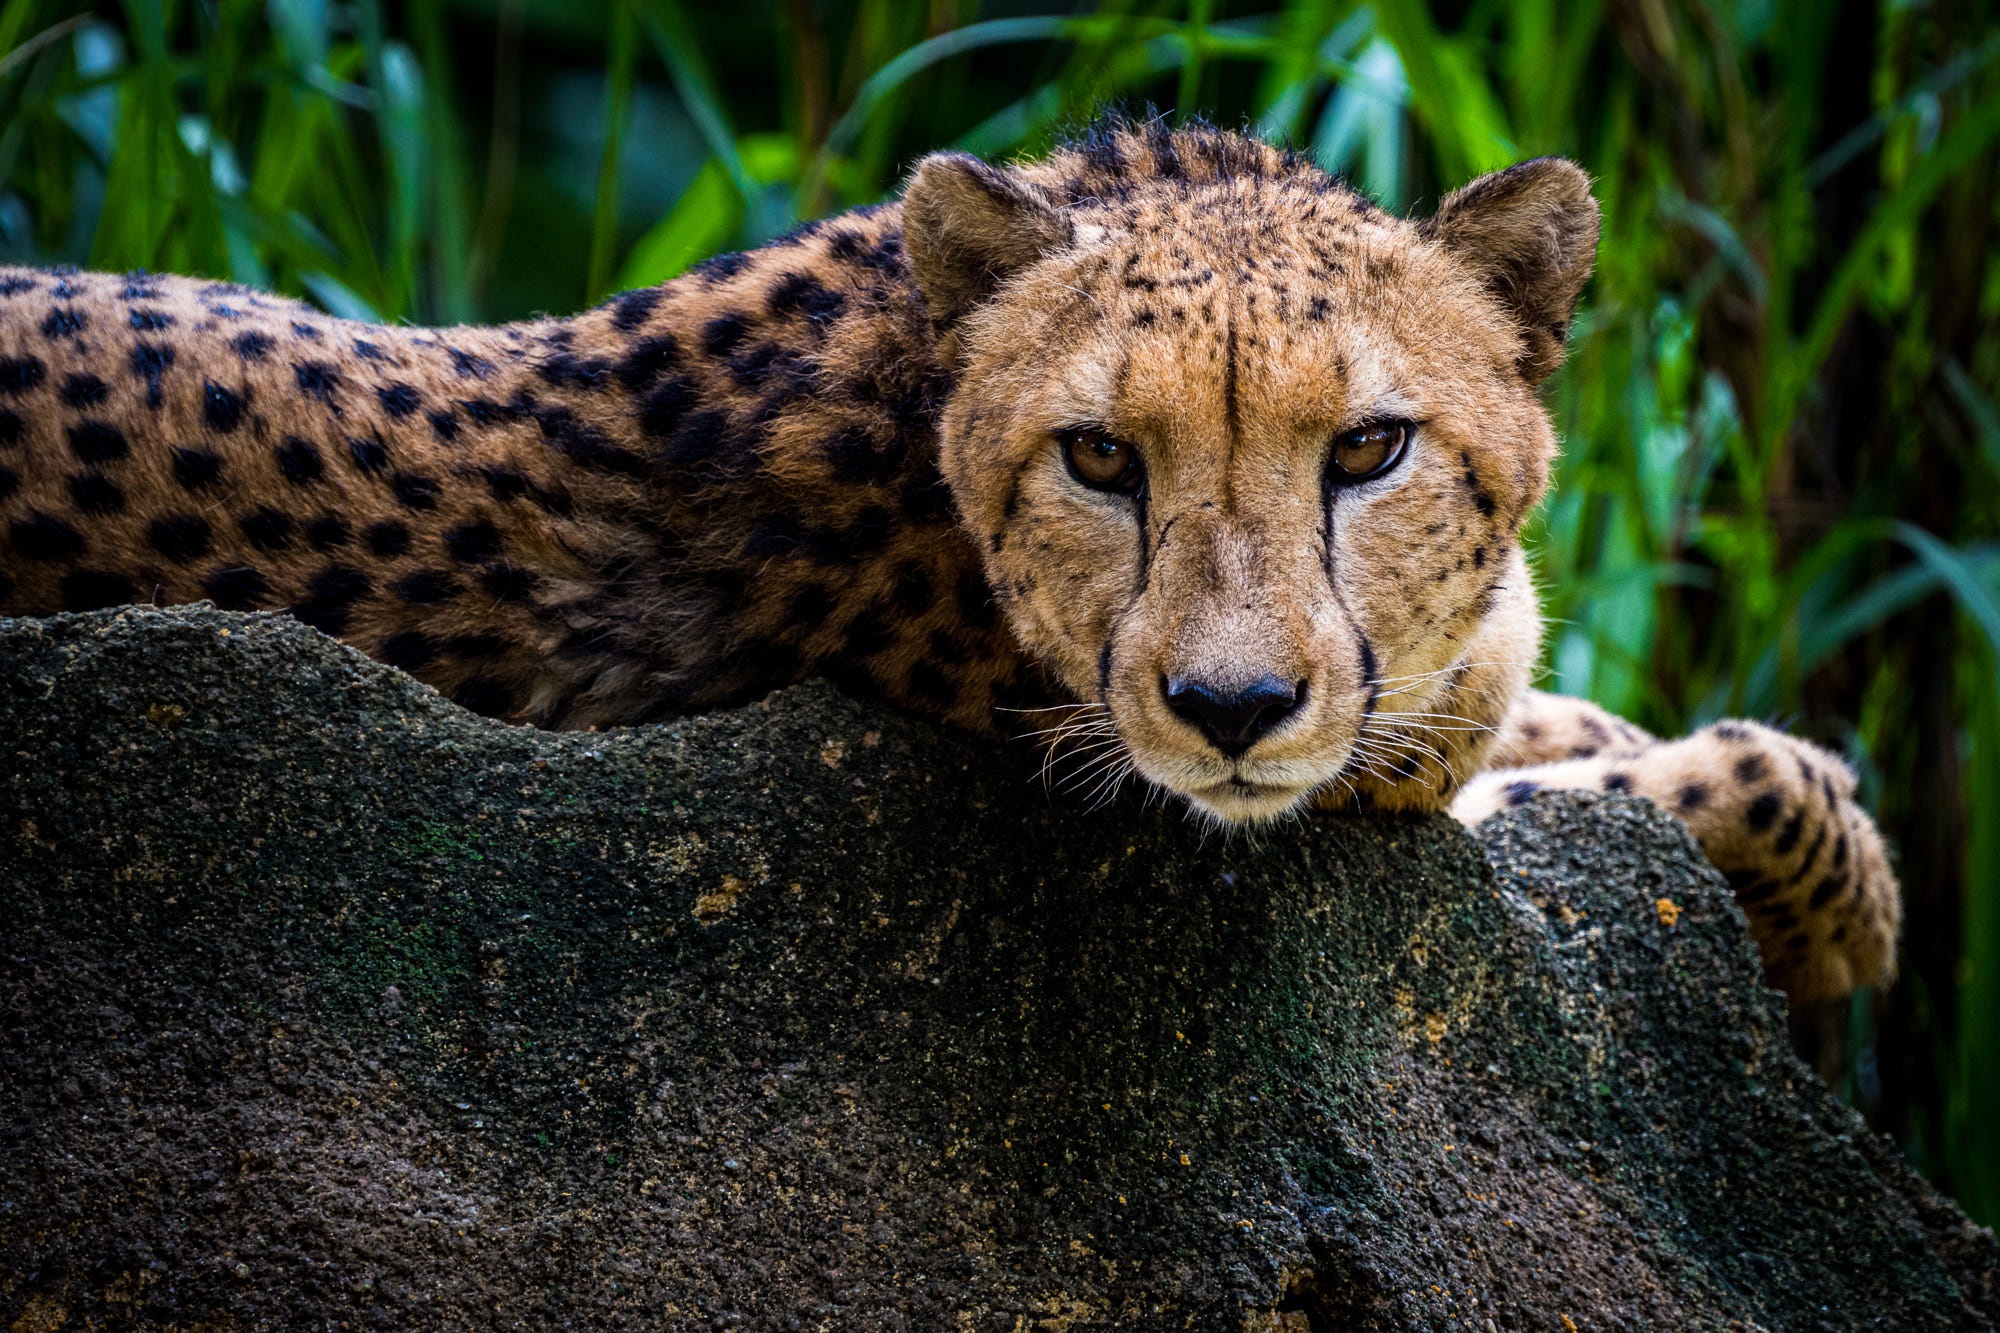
{"x":830,"y":456}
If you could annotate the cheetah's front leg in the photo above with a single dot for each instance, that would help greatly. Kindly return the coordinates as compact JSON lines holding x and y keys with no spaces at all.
{"x":1775,"y":814}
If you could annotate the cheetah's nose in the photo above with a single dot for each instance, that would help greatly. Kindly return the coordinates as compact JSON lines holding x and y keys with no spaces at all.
{"x":1233,"y":719}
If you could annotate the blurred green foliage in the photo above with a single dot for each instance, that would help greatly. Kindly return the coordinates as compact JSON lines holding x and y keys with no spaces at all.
{"x":1778,"y":497}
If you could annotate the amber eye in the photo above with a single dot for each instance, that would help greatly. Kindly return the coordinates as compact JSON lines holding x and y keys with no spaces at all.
{"x":1102,"y":462}
{"x":1367,"y":451}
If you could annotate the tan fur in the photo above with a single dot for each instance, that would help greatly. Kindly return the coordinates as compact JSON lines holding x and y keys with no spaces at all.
{"x":838,"y":455}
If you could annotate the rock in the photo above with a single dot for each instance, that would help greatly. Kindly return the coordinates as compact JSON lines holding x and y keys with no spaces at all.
{"x":327,"y":1002}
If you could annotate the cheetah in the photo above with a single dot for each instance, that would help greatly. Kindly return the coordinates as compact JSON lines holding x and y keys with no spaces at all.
{"x":1167,"y":444}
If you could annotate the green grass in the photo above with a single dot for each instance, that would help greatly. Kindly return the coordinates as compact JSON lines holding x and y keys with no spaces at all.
{"x":1778,"y":491}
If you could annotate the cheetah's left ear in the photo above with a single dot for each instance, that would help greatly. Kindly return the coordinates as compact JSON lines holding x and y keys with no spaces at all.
{"x":968,"y":227}
{"x":1531,"y":231}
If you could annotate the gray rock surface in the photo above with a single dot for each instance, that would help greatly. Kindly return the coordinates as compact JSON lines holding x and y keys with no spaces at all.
{"x":328,"y":1004}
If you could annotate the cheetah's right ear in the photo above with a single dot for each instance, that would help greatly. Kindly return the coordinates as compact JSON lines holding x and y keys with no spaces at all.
{"x":968,"y":227}
{"x":1531,"y":232}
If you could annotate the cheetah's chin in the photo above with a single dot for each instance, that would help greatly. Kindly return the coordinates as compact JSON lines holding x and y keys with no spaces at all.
{"x":1239,"y":802}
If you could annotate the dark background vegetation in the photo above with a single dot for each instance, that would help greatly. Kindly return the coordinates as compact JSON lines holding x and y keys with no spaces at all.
{"x":1778,"y":496}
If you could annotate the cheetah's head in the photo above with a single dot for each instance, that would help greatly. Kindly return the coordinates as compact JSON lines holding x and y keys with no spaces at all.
{"x":1242,"y":453}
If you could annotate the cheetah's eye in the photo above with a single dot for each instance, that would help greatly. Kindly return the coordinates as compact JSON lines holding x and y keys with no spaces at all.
{"x":1102,"y":462}
{"x":1367,"y":451}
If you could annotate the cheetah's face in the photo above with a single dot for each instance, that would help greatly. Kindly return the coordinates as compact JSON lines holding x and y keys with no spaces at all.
{"x":1240,"y":459}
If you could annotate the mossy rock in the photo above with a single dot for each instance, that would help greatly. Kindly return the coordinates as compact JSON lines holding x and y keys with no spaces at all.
{"x":330,"y":1003}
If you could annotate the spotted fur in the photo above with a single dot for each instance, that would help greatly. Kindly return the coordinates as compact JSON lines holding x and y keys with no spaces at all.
{"x":836,"y":455}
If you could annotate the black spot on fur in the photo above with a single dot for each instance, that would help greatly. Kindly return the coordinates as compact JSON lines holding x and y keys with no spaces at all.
{"x":196,"y":469}
{"x":1617,"y":782}
{"x":474,"y":647}
{"x":1788,"y":836}
{"x":925,"y":498}
{"x":151,"y":361}
{"x":425,"y":587}
{"x":776,"y":535}
{"x":662,"y":410}
{"x":387,"y":539}
{"x":318,"y":379}
{"x":97,"y":442}
{"x":180,"y":537}
{"x":468,"y":366}
{"x":398,"y":400}
{"x":330,"y":598}
{"x":18,"y":374}
{"x":975,"y":600}
{"x":150,"y":321}
{"x":1751,"y":768}
{"x":42,"y":538}
{"x":12,"y":286}
{"x":95,"y":589}
{"x":928,"y":683}
{"x":805,"y":295}
{"x":485,"y":413}
{"x":860,"y":458}
{"x":64,"y":322}
{"x":629,"y":310}
{"x":554,"y":499}
{"x":1825,"y":891}
{"x":780,"y":374}
{"x":869,"y":532}
{"x":368,"y":351}
{"x":704,"y":445}
{"x":370,"y":456}
{"x":947,"y":648}
{"x":489,"y":698}
{"x":1692,"y":797}
{"x":584,"y":444}
{"x":1730,"y":731}
{"x":408,"y":650}
{"x":721,"y":267}
{"x":1750,"y":885}
{"x":268,"y":529}
{"x":566,"y":370}
{"x":252,"y":346}
{"x":305,"y":331}
{"x":221,"y":408}
{"x":83,"y":390}
{"x":723,"y":334}
{"x":1519,"y":792}
{"x":507,"y":583}
{"x":914,"y":591}
{"x":95,"y":494}
{"x":236,"y":588}
{"x":299,"y":461}
{"x":471,"y":543}
{"x":1763,"y":812}
{"x":869,"y":634}
{"x":444,"y":425}
{"x":11,"y":427}
{"x":808,"y":608}
{"x":505,"y":483}
{"x":415,"y":491}
{"x":328,"y":533}
{"x":10,"y":482}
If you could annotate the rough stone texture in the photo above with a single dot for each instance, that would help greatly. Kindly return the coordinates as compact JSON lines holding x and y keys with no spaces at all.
{"x":327,"y":1004}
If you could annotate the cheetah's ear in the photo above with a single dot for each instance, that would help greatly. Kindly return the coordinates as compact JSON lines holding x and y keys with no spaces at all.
{"x":1531,"y":231}
{"x":968,"y":226}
